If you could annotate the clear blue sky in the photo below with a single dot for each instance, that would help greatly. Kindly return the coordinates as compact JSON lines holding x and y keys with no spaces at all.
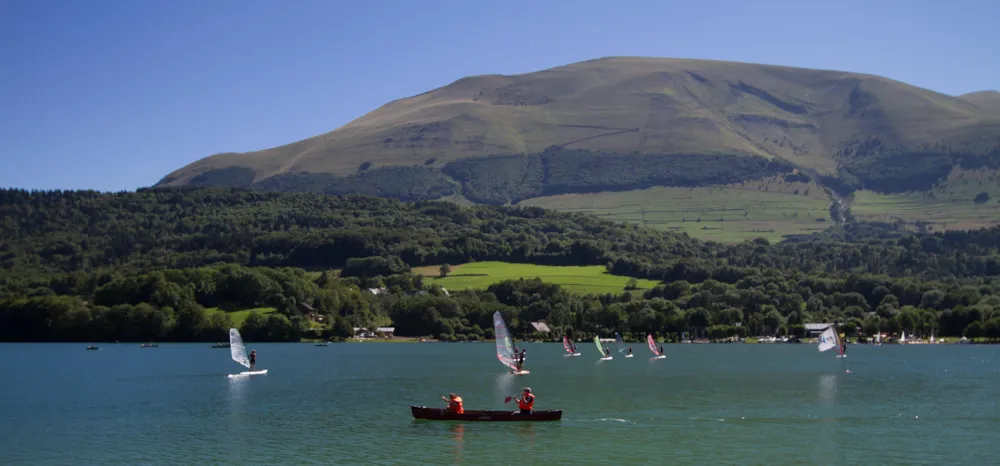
{"x":114,"y":94}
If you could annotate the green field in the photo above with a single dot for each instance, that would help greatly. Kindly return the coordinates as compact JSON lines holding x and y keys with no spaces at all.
{"x":583,"y":280}
{"x":767,"y":208}
{"x":949,"y":206}
{"x":237,"y":317}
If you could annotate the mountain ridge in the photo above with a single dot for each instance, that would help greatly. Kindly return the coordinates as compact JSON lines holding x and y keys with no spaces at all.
{"x":625,"y":123}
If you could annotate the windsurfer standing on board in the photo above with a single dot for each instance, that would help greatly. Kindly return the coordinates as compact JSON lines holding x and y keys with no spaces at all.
{"x":607,"y":353}
{"x":629,"y":351}
{"x":661,"y":348}
{"x":527,"y":402}
{"x":253,"y":359}
{"x":454,"y":403}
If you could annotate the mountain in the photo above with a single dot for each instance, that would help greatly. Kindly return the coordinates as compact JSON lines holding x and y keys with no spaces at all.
{"x":986,"y":100}
{"x":626,"y":123}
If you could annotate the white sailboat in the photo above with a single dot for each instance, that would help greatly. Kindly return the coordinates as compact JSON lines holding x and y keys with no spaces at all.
{"x":831,"y":339}
{"x":622,"y":347}
{"x":505,"y":347}
{"x":902,"y":338}
{"x":239,"y":354}
{"x":569,"y":347}
{"x":652,"y":347}
{"x":604,"y":355}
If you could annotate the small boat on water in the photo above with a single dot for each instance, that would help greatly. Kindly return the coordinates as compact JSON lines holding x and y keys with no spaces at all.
{"x":149,"y":345}
{"x":657,"y":354}
{"x":569,"y":347}
{"x":92,"y":347}
{"x":221,"y":345}
{"x":238,"y":352}
{"x":506,"y":352}
{"x":605,"y":355}
{"x":441,"y":414}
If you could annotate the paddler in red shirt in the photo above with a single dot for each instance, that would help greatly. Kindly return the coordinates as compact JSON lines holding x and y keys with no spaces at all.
{"x":454,"y":403}
{"x":527,"y":402}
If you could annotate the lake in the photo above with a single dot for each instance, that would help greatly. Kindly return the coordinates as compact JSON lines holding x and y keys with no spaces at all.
{"x":349,"y":404}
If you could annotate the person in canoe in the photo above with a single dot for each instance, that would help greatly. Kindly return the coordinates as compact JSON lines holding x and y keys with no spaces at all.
{"x":253,"y":359}
{"x":526,"y":402}
{"x":454,"y":403}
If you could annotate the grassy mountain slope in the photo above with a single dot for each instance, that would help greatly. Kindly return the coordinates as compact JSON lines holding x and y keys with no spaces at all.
{"x":988,"y":101}
{"x":631,"y":105}
{"x":619,"y":124}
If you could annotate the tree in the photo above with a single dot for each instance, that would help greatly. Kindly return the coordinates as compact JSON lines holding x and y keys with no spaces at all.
{"x":445,"y":270}
{"x":992,"y":329}
{"x":342,"y":327}
{"x":974,"y":330}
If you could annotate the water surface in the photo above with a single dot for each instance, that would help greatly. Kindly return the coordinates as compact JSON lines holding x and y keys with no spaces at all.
{"x":349,"y":404}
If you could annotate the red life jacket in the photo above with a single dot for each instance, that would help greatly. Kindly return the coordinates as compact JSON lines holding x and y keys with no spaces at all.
{"x":527,"y":402}
{"x":456,"y":405}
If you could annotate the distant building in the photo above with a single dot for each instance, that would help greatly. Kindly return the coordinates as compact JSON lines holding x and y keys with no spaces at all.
{"x":813,"y":330}
{"x":541,"y":327}
{"x":361,"y":332}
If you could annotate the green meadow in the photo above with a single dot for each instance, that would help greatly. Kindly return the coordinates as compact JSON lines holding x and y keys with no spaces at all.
{"x":577,"y":279}
{"x":951,"y":205}
{"x":769,"y":208}
{"x":238,"y":317}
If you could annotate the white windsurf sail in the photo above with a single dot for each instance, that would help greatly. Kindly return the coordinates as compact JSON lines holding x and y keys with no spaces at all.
{"x":505,"y":348}
{"x":600,"y":348}
{"x":829,"y":339}
{"x":652,"y":345}
{"x":237,"y":349}
{"x":902,"y":338}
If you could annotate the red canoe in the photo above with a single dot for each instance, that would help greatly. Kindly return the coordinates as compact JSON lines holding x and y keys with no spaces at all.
{"x":439,"y":414}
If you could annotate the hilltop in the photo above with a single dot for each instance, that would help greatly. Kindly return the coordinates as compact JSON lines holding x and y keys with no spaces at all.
{"x":987,"y":100}
{"x":627,"y":123}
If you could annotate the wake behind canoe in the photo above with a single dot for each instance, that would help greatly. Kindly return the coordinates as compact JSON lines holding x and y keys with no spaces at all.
{"x":440,"y":414}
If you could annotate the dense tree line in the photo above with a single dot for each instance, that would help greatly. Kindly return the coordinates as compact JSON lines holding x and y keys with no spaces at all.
{"x":189,"y":304}
{"x":166,"y":264}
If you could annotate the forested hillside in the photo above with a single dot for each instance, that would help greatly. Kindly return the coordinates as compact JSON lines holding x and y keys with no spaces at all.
{"x":167,"y":265}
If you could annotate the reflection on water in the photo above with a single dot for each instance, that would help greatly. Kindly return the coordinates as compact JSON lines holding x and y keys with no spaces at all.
{"x":527,"y":429}
{"x":457,"y":434}
{"x":238,"y":429}
{"x":828,"y":389}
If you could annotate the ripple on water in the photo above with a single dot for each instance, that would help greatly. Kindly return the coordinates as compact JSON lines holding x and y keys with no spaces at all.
{"x":349,"y":404}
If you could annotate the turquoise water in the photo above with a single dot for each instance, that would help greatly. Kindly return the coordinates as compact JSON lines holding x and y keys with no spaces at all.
{"x":349,"y":404}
